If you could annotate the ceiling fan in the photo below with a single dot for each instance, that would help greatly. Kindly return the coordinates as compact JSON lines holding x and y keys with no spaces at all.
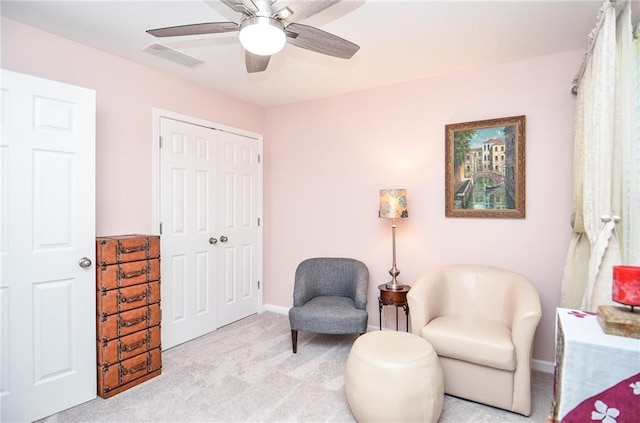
{"x":265,"y":27}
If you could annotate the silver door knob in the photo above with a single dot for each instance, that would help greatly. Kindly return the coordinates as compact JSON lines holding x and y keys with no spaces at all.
{"x":84,"y":262}
{"x":224,"y":239}
{"x":213,"y":240}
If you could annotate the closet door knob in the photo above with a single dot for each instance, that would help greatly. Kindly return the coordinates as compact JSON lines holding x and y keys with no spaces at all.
{"x":224,"y":239}
{"x":213,"y":240}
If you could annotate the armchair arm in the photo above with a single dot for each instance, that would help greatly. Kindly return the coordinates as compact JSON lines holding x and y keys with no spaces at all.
{"x":424,"y":299}
{"x":522,"y":335}
{"x":361,"y":287}
{"x":304,"y":286}
{"x":527,"y":315}
{"x":527,"y":312}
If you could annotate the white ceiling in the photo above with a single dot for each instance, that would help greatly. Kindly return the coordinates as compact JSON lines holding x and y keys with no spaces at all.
{"x":399,"y":40}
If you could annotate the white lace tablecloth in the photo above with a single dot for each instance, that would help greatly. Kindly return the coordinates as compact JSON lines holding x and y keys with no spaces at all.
{"x":597,"y":375}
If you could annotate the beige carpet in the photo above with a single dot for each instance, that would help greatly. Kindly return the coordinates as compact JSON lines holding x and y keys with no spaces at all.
{"x":246,"y":372}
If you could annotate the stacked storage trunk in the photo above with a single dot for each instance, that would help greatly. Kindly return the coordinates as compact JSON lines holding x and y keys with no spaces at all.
{"x":128,"y":308}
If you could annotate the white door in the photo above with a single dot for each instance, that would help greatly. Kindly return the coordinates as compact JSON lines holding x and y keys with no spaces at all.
{"x":188,"y":169}
{"x":47,"y":223}
{"x":240,"y":208}
{"x":211,"y":239}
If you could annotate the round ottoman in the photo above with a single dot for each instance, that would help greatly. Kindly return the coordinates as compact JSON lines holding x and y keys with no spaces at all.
{"x":394,"y":377}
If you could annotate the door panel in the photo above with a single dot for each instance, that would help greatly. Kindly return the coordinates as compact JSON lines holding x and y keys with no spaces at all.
{"x":47,"y":224}
{"x":52,"y":205}
{"x":52,"y":327}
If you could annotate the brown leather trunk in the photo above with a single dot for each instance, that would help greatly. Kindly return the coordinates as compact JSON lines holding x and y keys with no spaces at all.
{"x":120,"y":275}
{"x":128,"y":373}
{"x":121,"y":324}
{"x":123,"y":348}
{"x":126,"y":248}
{"x":123,"y":299}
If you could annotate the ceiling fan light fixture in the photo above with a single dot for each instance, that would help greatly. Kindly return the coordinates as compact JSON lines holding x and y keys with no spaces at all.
{"x":262,"y":35}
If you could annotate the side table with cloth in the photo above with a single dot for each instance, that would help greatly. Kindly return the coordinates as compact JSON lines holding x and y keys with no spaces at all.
{"x":597,"y":375}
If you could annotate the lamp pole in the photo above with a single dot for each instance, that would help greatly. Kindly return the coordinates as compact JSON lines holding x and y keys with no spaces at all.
{"x":394,"y":272}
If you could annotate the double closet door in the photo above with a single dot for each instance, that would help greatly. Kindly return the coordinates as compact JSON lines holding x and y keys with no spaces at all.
{"x":211,"y":234}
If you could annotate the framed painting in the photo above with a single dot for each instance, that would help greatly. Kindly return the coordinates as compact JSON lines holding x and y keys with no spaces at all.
{"x":485,"y":168}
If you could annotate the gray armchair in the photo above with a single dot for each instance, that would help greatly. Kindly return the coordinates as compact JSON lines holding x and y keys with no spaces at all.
{"x":329,"y":296}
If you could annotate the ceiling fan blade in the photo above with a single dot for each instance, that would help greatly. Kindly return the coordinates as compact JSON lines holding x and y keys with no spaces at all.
{"x":255,"y":63}
{"x":195,"y":29}
{"x":314,"y":39}
{"x":302,"y":9}
{"x":246,"y":7}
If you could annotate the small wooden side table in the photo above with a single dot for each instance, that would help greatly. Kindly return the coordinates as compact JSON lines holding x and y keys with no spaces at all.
{"x":394,"y":297}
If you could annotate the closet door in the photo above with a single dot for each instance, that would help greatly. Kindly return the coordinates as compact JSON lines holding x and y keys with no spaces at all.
{"x":47,"y":247}
{"x":210,"y":202}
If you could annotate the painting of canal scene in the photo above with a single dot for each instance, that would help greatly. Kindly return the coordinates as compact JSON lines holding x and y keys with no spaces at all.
{"x":485,"y":168}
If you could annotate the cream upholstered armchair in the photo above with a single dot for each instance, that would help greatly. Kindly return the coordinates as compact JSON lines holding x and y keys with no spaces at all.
{"x":481,"y":321}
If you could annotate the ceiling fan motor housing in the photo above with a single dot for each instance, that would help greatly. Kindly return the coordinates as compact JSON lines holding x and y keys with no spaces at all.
{"x":262,"y":35}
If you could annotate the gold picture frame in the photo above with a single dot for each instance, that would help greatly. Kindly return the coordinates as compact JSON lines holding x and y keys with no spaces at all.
{"x":485,"y":168}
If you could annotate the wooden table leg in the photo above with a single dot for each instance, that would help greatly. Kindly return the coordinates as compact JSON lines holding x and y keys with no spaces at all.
{"x":405,"y":307}
{"x":380,"y":312}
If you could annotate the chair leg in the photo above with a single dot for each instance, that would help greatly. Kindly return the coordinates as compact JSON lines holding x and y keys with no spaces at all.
{"x":294,"y":340}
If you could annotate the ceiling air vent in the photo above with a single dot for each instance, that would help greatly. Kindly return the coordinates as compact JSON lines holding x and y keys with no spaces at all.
{"x":173,"y":55}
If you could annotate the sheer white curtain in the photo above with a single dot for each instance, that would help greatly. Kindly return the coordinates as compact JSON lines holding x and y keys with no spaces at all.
{"x":605,"y":200}
{"x":631,"y":179}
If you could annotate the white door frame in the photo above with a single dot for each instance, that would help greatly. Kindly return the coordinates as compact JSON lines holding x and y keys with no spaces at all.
{"x":157,"y":114}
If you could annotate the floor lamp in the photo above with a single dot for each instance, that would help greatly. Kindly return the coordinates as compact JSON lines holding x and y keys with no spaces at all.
{"x":393,"y":205}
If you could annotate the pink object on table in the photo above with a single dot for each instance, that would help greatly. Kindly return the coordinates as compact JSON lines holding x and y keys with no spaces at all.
{"x":626,"y":285}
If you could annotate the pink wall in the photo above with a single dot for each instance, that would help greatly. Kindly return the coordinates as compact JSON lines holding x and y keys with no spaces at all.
{"x":327,"y":159}
{"x":126,"y":93}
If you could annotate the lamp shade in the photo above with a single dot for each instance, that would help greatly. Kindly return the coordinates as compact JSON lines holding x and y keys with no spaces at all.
{"x":393,"y":204}
{"x":626,"y":285}
{"x":262,"y":35}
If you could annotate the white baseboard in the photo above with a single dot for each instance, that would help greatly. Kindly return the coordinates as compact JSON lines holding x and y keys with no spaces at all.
{"x":539,"y":365}
{"x":275,"y":309}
